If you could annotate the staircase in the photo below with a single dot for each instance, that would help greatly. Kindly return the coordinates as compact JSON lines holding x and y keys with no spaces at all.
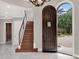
{"x":27,"y":42}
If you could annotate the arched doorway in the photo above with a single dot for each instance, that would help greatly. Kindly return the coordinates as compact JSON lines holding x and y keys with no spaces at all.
{"x":65,"y":28}
{"x":49,"y":41}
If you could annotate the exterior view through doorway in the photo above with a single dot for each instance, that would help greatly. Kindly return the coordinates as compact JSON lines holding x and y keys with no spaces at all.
{"x":65,"y":28}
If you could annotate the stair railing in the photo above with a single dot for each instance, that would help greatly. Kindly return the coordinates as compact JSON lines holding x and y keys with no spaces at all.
{"x":22,"y":29}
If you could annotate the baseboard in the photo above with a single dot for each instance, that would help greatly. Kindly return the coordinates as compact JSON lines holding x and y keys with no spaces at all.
{"x":76,"y":55}
{"x":39,"y":49}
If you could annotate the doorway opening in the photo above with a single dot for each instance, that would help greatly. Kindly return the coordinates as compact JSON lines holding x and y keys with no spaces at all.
{"x":8,"y":33}
{"x":64,"y":29}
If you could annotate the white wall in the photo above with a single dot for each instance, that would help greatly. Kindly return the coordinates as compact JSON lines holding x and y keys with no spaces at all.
{"x":15,"y":31}
{"x":9,"y":11}
{"x":30,"y":14}
{"x":16,"y":25}
{"x":2,"y":41}
{"x":76,"y":28}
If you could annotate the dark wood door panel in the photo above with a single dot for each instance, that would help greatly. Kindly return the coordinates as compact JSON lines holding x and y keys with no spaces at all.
{"x":49,"y":29}
{"x":8,"y":31}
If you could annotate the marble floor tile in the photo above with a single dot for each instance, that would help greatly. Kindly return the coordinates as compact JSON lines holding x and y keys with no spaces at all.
{"x":8,"y":52}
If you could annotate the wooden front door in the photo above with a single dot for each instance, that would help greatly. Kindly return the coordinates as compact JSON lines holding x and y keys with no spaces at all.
{"x":49,"y":29}
{"x":8,"y":32}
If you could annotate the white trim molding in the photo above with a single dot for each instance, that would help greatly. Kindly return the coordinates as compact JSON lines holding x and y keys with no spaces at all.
{"x":73,"y":22}
{"x":76,"y":55}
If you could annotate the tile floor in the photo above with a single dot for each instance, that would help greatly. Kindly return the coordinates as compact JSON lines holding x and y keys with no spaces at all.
{"x":65,"y":50}
{"x":8,"y":52}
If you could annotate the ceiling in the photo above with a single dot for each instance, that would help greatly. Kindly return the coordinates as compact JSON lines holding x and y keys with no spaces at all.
{"x":26,"y":3}
{"x":23,"y":3}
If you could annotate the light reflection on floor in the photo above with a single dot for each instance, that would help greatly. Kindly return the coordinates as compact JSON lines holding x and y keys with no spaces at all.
{"x":8,"y":52}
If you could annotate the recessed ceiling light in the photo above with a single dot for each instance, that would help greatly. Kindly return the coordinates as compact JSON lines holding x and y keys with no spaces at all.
{"x":8,"y":6}
{"x":6,"y":12}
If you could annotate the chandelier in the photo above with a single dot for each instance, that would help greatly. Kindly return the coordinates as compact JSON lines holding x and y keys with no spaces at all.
{"x":38,"y":2}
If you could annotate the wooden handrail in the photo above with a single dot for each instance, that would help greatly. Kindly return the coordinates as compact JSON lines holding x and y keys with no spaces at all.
{"x":20,"y":30}
{"x":22,"y":26}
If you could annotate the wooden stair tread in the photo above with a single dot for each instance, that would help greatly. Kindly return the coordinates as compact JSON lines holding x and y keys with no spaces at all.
{"x":27,"y":42}
{"x":22,"y":50}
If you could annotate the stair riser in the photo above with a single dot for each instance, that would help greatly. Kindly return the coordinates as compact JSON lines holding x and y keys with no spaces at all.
{"x":27,"y":42}
{"x":30,"y":31}
{"x":27,"y":48}
{"x":24,"y":50}
{"x":29,"y":26}
{"x":28,"y":38}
